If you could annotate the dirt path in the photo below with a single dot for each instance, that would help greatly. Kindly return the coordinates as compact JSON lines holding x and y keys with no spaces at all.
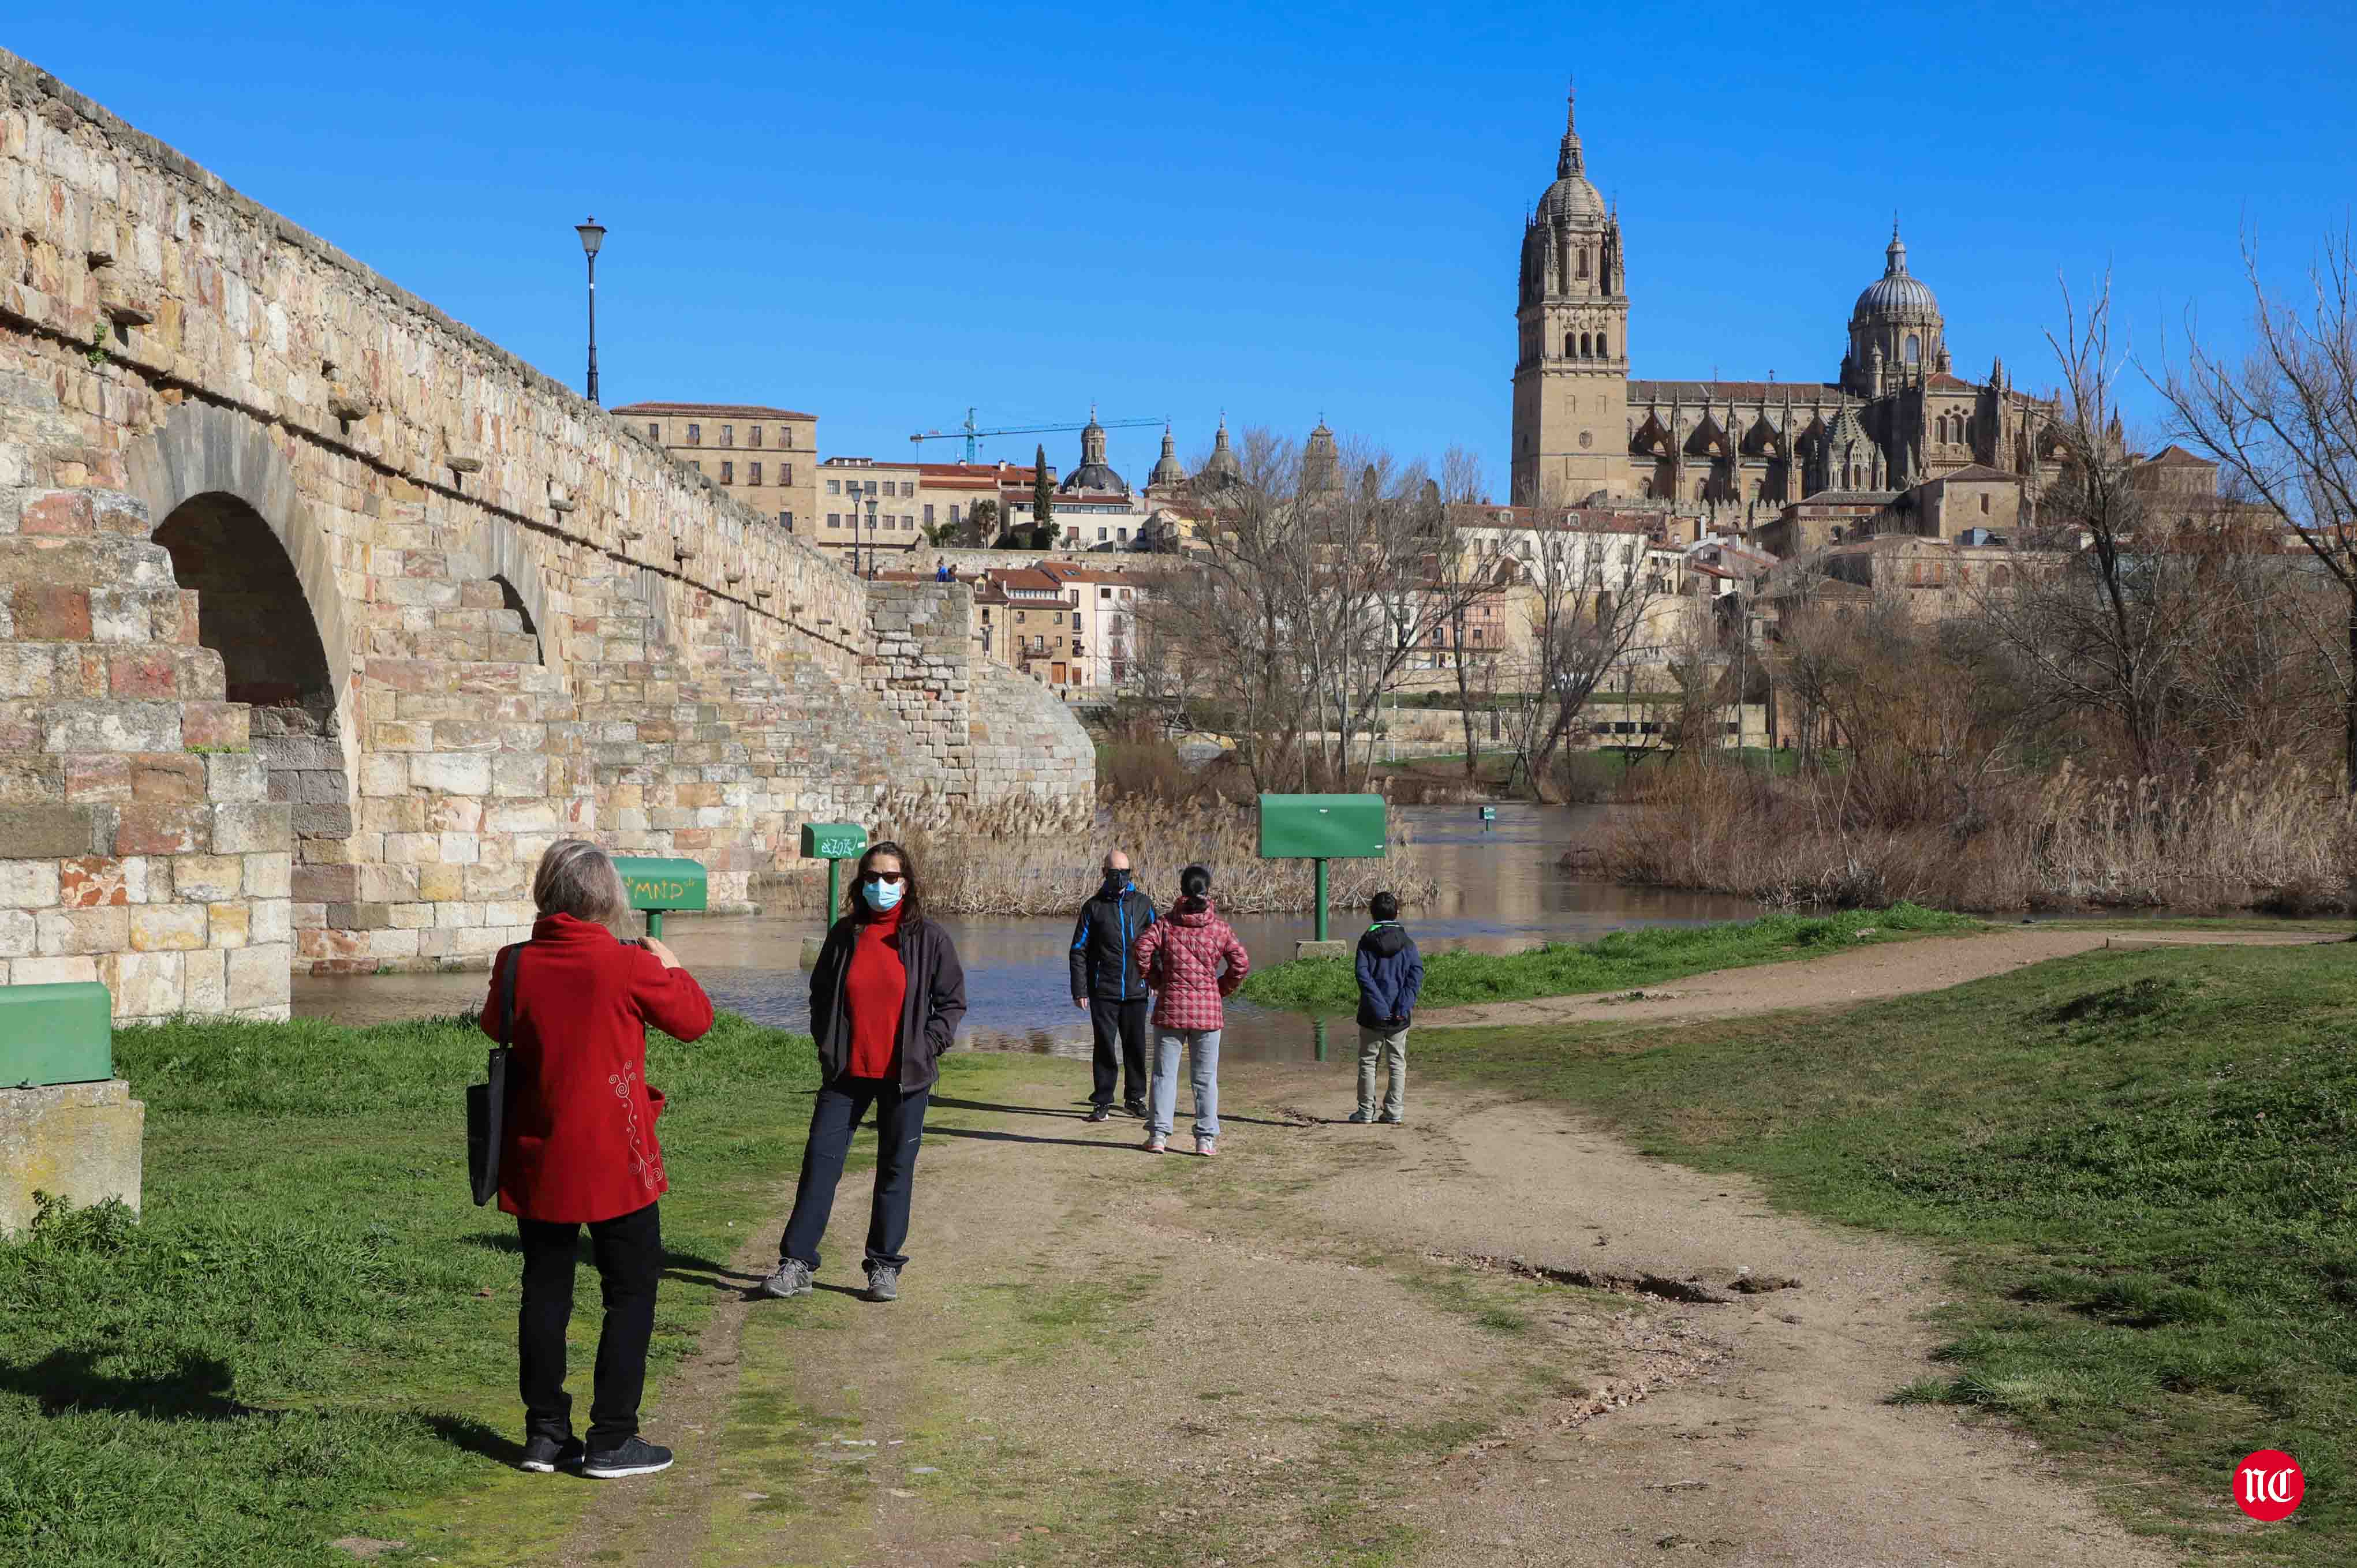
{"x":1314,"y":1350}
{"x":1861,"y":974}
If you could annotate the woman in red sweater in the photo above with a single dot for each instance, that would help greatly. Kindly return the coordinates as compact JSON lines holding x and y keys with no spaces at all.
{"x":580,"y":1147}
{"x":886,"y":996}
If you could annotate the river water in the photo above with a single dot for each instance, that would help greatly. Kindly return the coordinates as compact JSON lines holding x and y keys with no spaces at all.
{"x":1500,"y":890}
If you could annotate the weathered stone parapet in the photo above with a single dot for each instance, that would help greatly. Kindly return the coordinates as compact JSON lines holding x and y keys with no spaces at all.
{"x":79,"y":1142}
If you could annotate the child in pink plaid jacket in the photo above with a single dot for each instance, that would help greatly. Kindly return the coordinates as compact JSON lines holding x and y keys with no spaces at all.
{"x":1181,"y":958}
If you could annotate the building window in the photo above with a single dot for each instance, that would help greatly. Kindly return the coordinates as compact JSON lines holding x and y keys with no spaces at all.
{"x":785,"y":473}
{"x":834,"y":519}
{"x":1984,"y":503}
{"x":654,"y":431}
{"x":1571,"y":345}
{"x":1602,"y":353}
{"x":871,"y":486}
{"x":786,"y":521}
{"x":1913,"y":353}
{"x":696,"y":463}
{"x":1104,"y":593}
{"x":752,"y":473}
{"x":1022,"y":616}
{"x":834,"y":486}
{"x":1121,"y":536}
{"x":789,"y":438}
{"x":908,"y":489}
{"x":1585,"y":343}
{"x":1583,"y":261}
{"x":727,"y":473}
{"x":953,"y":514}
{"x":696,"y":435}
{"x":728,"y":435}
{"x":929,"y":514}
{"x":1100,"y":536}
{"x":753,"y":437}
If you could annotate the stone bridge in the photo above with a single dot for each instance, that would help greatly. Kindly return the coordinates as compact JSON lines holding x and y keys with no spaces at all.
{"x":323,"y":614}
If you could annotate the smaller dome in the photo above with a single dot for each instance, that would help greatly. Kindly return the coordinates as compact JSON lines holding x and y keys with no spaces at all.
{"x":1896,"y":295}
{"x":1168,"y":469}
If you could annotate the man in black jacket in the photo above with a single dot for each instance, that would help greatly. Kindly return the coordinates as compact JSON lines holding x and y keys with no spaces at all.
{"x":1106,"y":983}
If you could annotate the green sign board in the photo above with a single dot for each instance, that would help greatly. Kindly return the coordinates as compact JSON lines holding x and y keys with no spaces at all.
{"x":659,"y":886}
{"x":833,"y":841}
{"x":1322,"y":827}
{"x":56,"y":1034}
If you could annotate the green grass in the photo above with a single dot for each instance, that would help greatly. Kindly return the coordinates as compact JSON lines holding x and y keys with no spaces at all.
{"x":2144,"y":1162}
{"x":1616,"y":961}
{"x":312,"y":1319}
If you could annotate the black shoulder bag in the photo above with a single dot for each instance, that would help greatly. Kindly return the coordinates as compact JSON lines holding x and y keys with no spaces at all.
{"x":487,"y":1103}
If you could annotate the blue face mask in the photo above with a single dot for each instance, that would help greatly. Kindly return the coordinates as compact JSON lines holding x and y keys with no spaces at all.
{"x":882,"y":895}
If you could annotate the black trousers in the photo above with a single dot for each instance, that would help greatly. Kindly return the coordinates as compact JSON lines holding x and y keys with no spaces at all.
{"x":1120,"y":1031}
{"x":630,"y":1253}
{"x":900,"y":1128}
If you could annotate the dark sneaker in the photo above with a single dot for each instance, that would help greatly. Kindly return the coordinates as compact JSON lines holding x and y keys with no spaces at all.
{"x":792,"y":1278}
{"x":1099,"y":1112}
{"x":1135,"y":1108}
{"x":1390,"y":1121}
{"x":636,"y":1457}
{"x":546,"y":1456}
{"x":1360,"y":1117}
{"x":882,"y":1282}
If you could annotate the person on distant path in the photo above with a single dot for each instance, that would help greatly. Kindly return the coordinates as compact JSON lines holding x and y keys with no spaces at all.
{"x":886,"y":996}
{"x":1181,"y":958}
{"x":1390,"y":978}
{"x":1108,"y":982}
{"x":579,"y":1147}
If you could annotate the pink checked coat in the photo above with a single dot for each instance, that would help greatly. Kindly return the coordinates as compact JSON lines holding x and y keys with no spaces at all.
{"x":1181,"y":958}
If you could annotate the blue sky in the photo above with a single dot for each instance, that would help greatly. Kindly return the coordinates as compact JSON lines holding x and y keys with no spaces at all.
{"x":886,"y":216}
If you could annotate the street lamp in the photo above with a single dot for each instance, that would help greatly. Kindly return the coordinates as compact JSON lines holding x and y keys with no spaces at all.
{"x":593,"y":234}
{"x":871,"y":538}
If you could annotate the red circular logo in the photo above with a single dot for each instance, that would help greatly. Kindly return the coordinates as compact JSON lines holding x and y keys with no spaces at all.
{"x":2268,"y":1484}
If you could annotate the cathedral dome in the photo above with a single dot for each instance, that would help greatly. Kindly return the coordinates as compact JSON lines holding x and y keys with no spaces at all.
{"x":1896,"y":295}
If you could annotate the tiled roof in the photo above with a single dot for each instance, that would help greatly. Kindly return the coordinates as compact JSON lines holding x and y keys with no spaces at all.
{"x":2175,"y":457}
{"x":1947,"y":382}
{"x":1974,"y":471}
{"x":713,"y":410}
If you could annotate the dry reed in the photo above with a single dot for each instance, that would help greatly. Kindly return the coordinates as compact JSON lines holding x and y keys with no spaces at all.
{"x":2275,"y":836}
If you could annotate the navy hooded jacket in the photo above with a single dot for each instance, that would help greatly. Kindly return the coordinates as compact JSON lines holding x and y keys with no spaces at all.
{"x":1391,"y":976}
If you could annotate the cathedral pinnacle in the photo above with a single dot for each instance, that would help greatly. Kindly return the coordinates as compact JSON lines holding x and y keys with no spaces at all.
{"x":1568,"y":161}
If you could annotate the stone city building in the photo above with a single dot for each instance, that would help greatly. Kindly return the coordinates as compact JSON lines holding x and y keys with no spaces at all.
{"x":765,"y":457}
{"x":1736,"y":450}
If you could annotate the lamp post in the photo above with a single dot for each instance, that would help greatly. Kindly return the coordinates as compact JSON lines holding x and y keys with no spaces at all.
{"x":871,"y":538}
{"x":593,"y":234}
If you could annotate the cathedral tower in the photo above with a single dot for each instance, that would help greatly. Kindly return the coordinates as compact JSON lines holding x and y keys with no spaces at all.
{"x":1571,"y":368}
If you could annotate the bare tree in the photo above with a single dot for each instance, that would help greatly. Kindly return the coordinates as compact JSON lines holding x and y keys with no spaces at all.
{"x":2282,"y":423}
{"x":1591,"y":590}
{"x":2105,"y":623}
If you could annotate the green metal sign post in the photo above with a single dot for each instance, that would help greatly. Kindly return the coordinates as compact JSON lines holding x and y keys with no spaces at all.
{"x":658,"y":885}
{"x":1320,"y":828}
{"x":834,"y":842}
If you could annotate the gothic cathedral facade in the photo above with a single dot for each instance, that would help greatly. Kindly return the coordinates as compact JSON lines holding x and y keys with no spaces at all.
{"x":1897,"y":417}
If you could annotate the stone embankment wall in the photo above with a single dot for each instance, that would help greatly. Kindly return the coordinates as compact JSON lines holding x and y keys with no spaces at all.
{"x":456,"y":610}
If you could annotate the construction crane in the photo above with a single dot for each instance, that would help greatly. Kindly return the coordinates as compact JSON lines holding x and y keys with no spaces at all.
{"x":969,"y":432}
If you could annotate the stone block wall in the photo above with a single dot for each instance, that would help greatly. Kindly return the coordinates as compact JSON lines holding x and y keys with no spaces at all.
{"x":923,"y":635}
{"x":138,"y":846}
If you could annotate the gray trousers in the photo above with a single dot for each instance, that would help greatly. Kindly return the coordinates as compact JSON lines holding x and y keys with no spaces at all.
{"x":1390,"y":1050}
{"x":1203,"y":1067}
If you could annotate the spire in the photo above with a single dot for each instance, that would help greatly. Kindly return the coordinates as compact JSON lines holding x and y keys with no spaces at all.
{"x":1568,"y":160}
{"x":1894,"y":257}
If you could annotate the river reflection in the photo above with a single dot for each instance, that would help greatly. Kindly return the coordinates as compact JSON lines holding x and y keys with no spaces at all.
{"x":1501,"y":889}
